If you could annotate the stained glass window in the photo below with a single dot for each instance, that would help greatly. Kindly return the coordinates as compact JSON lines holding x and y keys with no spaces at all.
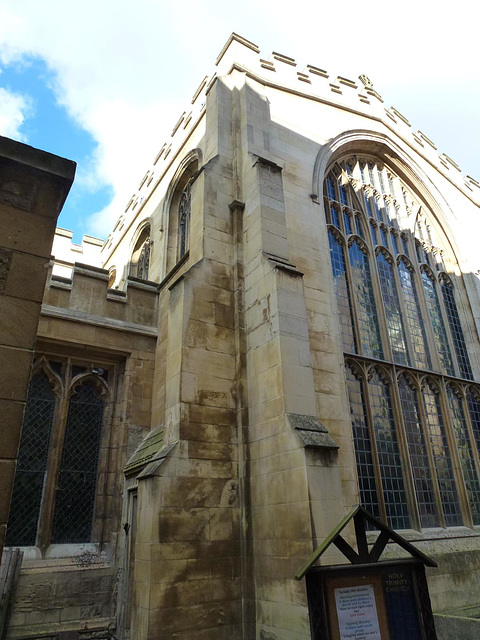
{"x":399,"y":426}
{"x":414,"y":317}
{"x":418,"y":454}
{"x":441,"y":457}
{"x":342,"y":292}
{"x":438,"y":326}
{"x":32,"y":462}
{"x":456,"y":329}
{"x":363,"y":448}
{"x":393,"y":314}
{"x":366,"y":308}
{"x":388,"y":454}
{"x":465,"y":453}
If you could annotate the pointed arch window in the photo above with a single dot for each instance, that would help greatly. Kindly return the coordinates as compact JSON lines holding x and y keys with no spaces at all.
{"x":465,"y":453}
{"x":441,"y":456}
{"x":32,"y":462}
{"x":140,"y":260}
{"x":393,"y":313}
{"x":365,"y":301}
{"x":438,"y":325}
{"x":363,"y":444}
{"x":418,"y":454}
{"x":405,"y":415}
{"x":55,"y":488}
{"x":455,"y":327}
{"x":342,"y":291}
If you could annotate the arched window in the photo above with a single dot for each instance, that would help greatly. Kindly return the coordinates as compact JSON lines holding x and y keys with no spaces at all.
{"x":55,"y":487}
{"x":140,"y":260}
{"x":32,"y":462}
{"x":184,"y":211}
{"x":416,"y":437}
{"x":181,"y":201}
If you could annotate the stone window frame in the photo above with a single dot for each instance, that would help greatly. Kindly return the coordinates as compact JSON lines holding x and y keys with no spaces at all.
{"x":182,"y":190}
{"x":65,"y":376}
{"x":404,"y":208}
{"x":141,"y":253}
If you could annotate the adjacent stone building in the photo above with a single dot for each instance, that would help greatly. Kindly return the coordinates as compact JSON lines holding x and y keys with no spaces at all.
{"x":283,"y":323}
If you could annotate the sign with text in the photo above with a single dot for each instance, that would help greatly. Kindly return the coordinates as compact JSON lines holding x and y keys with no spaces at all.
{"x":357,"y":613}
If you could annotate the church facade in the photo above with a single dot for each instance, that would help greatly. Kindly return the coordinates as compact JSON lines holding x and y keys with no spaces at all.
{"x":283,"y":323}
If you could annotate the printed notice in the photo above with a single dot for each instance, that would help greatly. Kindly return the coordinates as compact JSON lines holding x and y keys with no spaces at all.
{"x":357,"y":613}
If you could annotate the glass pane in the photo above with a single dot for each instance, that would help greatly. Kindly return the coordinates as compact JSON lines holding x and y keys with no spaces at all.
{"x":414,"y":317}
{"x":456,"y":331}
{"x":404,"y":244}
{"x":422,"y":476}
{"x":395,"y":243}
{"x":32,"y":463}
{"x":474,"y":410}
{"x":361,"y":440}
{"x":347,"y":221}
{"x":331,"y":187}
{"x":342,"y":292}
{"x":388,"y":455}
{"x":78,"y":470}
{"x":383,"y":236}
{"x":393,"y":314}
{"x":439,"y":332}
{"x":358,"y":226}
{"x":373,"y":230}
{"x":343,"y":193}
{"x":465,"y":453}
{"x":366,"y":309}
{"x":441,"y":455}
{"x":335,"y":220}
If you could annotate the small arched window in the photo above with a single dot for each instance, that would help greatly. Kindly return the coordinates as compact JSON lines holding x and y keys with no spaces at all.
{"x":140,"y":260}
{"x":184,"y":212}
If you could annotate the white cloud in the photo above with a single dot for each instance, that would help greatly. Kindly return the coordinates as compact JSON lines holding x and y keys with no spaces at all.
{"x":124,"y":70}
{"x":14,"y":109}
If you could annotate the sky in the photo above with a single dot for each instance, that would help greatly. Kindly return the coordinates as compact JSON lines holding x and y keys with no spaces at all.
{"x":104,"y":82}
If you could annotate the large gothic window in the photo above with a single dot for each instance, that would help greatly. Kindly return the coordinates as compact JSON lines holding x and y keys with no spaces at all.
{"x":55,"y":485}
{"x":416,"y":415}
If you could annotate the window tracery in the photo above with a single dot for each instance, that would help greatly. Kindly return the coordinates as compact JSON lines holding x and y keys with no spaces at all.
{"x":55,"y":486}
{"x":416,"y":434}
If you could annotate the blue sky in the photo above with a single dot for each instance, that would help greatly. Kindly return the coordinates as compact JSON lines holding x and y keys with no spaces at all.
{"x":103,"y":83}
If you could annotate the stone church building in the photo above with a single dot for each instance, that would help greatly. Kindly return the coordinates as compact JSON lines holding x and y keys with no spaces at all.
{"x":283,"y":323}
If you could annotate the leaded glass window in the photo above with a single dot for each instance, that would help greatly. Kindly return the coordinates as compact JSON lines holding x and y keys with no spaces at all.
{"x":388,"y":454}
{"x":465,"y":453}
{"x":362,"y":442}
{"x":414,"y":317}
{"x":418,"y":455}
{"x":456,"y":329}
{"x":342,"y":292}
{"x":56,"y":486}
{"x":390,"y":310}
{"x":78,"y":468}
{"x":441,"y":457}
{"x":393,"y":314}
{"x":184,"y":221}
{"x":32,"y":462}
{"x":365,"y":301}
{"x":439,"y":332}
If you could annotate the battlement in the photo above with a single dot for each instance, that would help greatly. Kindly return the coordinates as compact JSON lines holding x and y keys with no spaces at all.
{"x":66,"y":252}
{"x":86,"y":298}
{"x":309,"y":81}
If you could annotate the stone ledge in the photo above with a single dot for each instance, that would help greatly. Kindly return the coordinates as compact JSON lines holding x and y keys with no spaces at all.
{"x":311,"y":431}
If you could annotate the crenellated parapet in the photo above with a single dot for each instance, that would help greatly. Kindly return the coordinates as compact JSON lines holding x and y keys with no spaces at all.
{"x":308,"y":81}
{"x":86,"y":298}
